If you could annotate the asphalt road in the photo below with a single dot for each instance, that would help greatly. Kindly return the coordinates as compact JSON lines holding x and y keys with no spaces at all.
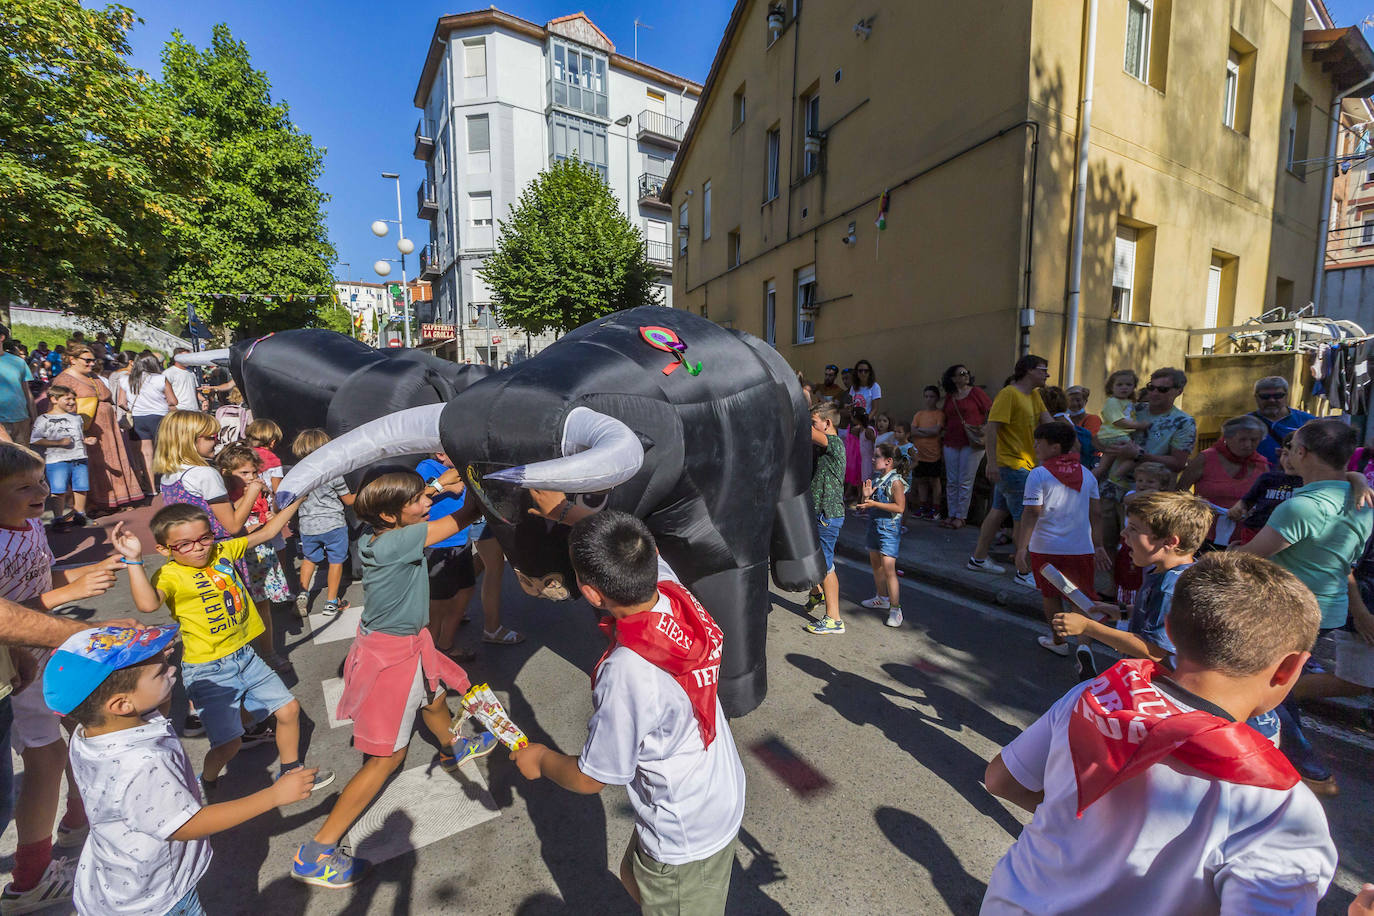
{"x":864,"y":768}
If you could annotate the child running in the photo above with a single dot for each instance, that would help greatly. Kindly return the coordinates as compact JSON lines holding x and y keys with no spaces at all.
{"x":147,"y":849}
{"x":1149,"y":793}
{"x":61,"y":435}
{"x":657,"y":726}
{"x":393,"y":670}
{"x":885,"y":500}
{"x":323,"y":530}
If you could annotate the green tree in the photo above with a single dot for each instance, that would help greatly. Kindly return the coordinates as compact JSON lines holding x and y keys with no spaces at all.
{"x":568,"y":254}
{"x":260,"y":227}
{"x":95,"y":167}
{"x":334,"y":318}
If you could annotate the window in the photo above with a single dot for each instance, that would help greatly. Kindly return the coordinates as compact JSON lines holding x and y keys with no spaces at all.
{"x":737,"y":109}
{"x":657,"y":166}
{"x":441,"y":153}
{"x":770,"y":187}
{"x":656,"y":241}
{"x":450,"y":240}
{"x":706,"y":211}
{"x":1367,"y":232}
{"x":732,"y":248}
{"x":1228,"y":110}
{"x":480,"y":217}
{"x":811,"y":146}
{"x":682,"y":231}
{"x":578,"y":80}
{"x":806,"y":304}
{"x":1123,"y":272}
{"x":1239,"y":85}
{"x":578,"y":138}
{"x":1139,"y":18}
{"x":1299,"y":127}
{"x":475,"y":68}
{"x":770,"y":313}
{"x":479,"y":143}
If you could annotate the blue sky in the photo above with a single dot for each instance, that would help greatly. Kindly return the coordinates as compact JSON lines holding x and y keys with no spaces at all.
{"x":348,"y":70}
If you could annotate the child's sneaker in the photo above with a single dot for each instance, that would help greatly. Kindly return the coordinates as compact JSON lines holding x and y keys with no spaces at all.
{"x":1026,"y":579}
{"x":826,"y":626}
{"x":72,"y":837}
{"x":54,"y":887}
{"x":876,"y":603}
{"x":1058,"y":648}
{"x":894,"y":617}
{"x":464,"y":749}
{"x":814,"y":601}
{"x":1087,"y":666}
{"x":192,"y":727}
{"x":303,"y":604}
{"x":209,"y":789}
{"x":986,"y":565}
{"x":261,"y":733}
{"x":323,"y":777}
{"x":333,"y":868}
{"x":332,"y":608}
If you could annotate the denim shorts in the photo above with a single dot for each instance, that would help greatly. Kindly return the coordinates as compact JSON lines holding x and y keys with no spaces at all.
{"x":828,"y":530}
{"x":1009,"y":493}
{"x":60,"y":474}
{"x":220,"y":687}
{"x":884,"y":534}
{"x":331,"y":546}
{"x":188,"y":906}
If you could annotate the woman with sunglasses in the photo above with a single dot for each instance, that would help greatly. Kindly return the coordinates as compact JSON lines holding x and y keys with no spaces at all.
{"x":966,"y":412}
{"x":148,"y":399}
{"x":865,"y":392}
{"x":113,"y":481}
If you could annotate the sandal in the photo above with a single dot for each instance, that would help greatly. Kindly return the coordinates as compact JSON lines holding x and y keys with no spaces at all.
{"x":503,"y":636}
{"x":461,"y":656}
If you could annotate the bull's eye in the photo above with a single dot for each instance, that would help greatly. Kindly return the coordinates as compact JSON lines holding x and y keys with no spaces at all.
{"x":593,"y":502}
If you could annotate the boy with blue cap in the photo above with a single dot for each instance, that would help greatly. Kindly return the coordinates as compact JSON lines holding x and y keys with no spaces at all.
{"x":147,"y":847}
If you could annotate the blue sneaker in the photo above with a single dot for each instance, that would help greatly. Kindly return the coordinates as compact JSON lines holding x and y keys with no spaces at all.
{"x":334,"y":868}
{"x":825,"y":627}
{"x":467,"y":749}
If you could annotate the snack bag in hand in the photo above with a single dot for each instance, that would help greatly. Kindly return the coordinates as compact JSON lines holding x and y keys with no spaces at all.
{"x":487,"y":709}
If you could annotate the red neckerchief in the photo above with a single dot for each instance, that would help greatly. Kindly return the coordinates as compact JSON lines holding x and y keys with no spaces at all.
{"x":1254,"y":458}
{"x":1122,"y":725}
{"x":1067,"y":469}
{"x":686,"y":644}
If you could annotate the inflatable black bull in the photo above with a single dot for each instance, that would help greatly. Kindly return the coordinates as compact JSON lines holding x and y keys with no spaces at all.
{"x":709,"y":445}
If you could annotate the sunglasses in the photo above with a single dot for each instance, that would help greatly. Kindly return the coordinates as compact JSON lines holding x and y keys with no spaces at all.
{"x":1162,"y":389}
{"x":1273,"y":396}
{"x":188,"y":546}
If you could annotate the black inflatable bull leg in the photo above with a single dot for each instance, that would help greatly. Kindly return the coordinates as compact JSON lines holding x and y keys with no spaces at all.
{"x":738,"y":600}
{"x":797,"y":564}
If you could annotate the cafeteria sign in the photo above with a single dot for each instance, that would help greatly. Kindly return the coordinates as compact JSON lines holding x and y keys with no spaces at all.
{"x":438,"y":331}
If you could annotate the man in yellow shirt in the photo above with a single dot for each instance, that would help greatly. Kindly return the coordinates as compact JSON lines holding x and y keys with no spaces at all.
{"x":1010,"y":433}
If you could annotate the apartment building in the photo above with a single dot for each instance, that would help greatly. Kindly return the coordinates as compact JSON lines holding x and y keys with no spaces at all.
{"x":1200,"y":204}
{"x":502,"y":99}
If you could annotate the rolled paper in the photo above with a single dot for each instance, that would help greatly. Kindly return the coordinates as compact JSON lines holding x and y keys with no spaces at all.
{"x":484,"y":706}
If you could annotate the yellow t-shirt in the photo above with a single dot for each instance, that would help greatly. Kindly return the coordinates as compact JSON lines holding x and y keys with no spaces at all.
{"x":213,"y":606}
{"x":1019,"y":414}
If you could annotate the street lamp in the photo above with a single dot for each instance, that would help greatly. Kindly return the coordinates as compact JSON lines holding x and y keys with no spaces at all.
{"x":629,"y":187}
{"x":404,"y":245}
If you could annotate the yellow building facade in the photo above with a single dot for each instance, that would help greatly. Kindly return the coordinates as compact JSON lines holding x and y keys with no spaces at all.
{"x":1202,"y":197}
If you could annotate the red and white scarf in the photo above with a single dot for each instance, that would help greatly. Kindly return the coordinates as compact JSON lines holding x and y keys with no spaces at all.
{"x":1122,"y":725}
{"x":686,"y":643}
{"x":1067,"y":469}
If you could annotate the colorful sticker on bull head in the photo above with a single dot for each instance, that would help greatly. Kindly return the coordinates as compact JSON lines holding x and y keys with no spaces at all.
{"x":668,"y":341}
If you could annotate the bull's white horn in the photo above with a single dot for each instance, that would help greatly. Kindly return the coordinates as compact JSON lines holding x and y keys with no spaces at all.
{"x":599,"y":452}
{"x":406,"y":432}
{"x":203,"y":358}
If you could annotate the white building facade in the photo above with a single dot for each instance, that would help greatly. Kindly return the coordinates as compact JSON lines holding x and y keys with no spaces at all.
{"x":502,"y":99}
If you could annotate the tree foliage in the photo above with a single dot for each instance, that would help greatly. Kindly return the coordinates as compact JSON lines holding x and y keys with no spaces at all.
{"x":96,"y":167}
{"x":568,"y":254}
{"x":259,"y":229}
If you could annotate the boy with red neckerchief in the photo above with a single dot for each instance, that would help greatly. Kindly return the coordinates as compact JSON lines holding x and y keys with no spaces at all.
{"x":1150,"y":794}
{"x":657,"y":727}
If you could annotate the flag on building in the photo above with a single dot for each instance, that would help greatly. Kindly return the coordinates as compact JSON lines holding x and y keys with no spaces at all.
{"x":881,"y":221}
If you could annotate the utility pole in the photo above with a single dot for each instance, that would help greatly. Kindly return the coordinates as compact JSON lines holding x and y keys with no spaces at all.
{"x":639,"y":25}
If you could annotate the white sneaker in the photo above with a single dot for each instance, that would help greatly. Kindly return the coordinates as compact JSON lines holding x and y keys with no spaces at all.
{"x":1047,"y":642}
{"x":986,"y":565}
{"x":1026,"y":579}
{"x":877,"y":603}
{"x":894,"y":617}
{"x":72,"y":837}
{"x":54,"y":887}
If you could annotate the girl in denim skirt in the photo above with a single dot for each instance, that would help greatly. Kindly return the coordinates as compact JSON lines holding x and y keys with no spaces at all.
{"x":885,"y":500}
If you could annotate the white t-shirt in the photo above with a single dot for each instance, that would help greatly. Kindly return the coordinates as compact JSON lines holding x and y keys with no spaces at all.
{"x":183,"y":386}
{"x":1064,"y":526}
{"x":202,"y":480}
{"x":58,"y":426}
{"x":117,"y":382}
{"x":688,"y":799}
{"x":864,"y":397}
{"x":139,"y":789}
{"x":25,"y":562}
{"x":151,"y":399}
{"x":1170,"y":840}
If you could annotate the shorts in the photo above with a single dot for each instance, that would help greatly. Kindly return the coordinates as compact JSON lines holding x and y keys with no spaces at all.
{"x":1078,"y":568}
{"x":374,"y":717}
{"x":828,"y":531}
{"x":332,"y":546}
{"x":189,"y":905}
{"x":884,"y":535}
{"x":35,"y":725}
{"x":924,"y":470}
{"x":73,"y":473}
{"x":698,"y":888}
{"x":1009,"y":493}
{"x":218,"y":688}
{"x":145,"y":427}
{"x":450,"y":571}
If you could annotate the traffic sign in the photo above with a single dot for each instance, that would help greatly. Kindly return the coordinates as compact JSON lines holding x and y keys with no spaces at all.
{"x":496,"y":340}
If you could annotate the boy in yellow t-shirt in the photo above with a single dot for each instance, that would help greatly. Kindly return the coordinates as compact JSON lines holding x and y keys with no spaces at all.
{"x":225,"y":679}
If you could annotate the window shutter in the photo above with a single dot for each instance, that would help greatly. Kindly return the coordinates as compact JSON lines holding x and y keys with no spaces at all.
{"x":475,"y":59}
{"x":1123,"y":259}
{"x":479,"y":134}
{"x":1209,"y":318}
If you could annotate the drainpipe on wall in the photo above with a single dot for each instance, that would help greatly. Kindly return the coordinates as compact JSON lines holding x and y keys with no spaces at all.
{"x":1080,"y":198}
{"x":1328,"y":178}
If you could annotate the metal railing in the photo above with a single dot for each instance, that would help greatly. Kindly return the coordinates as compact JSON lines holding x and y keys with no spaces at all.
{"x":426,"y":202}
{"x":651,"y":186}
{"x":655,"y":122}
{"x":429,"y":267}
{"x":424,"y":139}
{"x":659,"y":253}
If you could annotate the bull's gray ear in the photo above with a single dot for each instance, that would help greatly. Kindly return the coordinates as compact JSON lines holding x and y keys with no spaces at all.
{"x":645,"y":442}
{"x":599,"y":452}
{"x":405,"y":432}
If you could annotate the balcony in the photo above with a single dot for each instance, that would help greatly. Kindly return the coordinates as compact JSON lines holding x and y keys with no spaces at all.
{"x":659,"y":253}
{"x":429,"y":267}
{"x":650,"y":189}
{"x":427,"y":206}
{"x":659,"y":128}
{"x":424,"y":140}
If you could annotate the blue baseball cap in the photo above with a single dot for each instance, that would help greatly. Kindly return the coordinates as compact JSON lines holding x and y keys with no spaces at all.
{"x":86,"y":659}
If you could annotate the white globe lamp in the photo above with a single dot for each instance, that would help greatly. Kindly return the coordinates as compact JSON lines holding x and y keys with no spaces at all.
{"x":405,"y":246}
{"x":380,"y":228}
{"x":382,"y":268}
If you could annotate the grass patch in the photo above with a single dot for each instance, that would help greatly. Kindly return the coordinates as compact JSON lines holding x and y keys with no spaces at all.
{"x":30,"y":334}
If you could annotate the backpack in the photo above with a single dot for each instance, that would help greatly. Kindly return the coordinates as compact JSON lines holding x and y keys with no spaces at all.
{"x":233,"y":419}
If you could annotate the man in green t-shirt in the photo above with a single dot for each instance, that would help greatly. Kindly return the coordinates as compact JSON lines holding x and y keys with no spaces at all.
{"x":1010,"y":433}
{"x":827,"y":492}
{"x":1317,"y":534}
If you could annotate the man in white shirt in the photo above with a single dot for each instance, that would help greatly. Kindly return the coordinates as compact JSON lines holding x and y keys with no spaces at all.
{"x":183,"y":382}
{"x":658,"y":727}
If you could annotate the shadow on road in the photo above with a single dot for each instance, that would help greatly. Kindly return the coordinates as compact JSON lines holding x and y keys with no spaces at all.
{"x":963,"y":893}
